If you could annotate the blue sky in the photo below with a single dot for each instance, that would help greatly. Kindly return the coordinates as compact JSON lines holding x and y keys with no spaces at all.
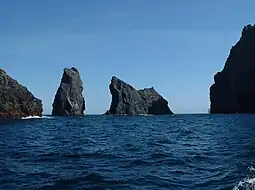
{"x":175,"y":46}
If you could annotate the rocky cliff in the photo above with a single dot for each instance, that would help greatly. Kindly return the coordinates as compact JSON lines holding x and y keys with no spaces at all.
{"x":69,"y":100}
{"x":233,"y":90}
{"x":17,"y":101}
{"x":126,"y":100}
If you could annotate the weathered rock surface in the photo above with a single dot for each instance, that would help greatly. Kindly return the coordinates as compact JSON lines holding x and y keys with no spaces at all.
{"x":69,"y":100}
{"x":234,"y":87}
{"x":126,"y":100}
{"x":16,"y":101}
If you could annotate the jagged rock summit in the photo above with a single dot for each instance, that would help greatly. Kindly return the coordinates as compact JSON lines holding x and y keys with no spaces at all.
{"x":16,"y":101}
{"x":233,"y":90}
{"x":126,"y":100}
{"x":69,"y":100}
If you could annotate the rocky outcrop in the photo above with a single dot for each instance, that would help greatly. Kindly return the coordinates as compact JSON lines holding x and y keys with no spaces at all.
{"x":16,"y":101}
{"x":126,"y":100}
{"x":69,"y":100}
{"x":233,"y":90}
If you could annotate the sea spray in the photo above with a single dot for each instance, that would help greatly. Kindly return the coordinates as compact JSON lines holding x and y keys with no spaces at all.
{"x":248,"y":183}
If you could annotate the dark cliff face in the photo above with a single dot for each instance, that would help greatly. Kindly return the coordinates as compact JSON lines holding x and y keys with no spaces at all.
{"x":69,"y":100}
{"x":16,"y":101}
{"x":234,"y":88}
{"x":126,"y":100}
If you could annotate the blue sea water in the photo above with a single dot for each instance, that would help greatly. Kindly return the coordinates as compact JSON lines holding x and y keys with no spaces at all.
{"x":210,"y":152}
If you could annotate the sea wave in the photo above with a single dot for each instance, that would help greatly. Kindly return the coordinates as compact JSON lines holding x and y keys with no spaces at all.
{"x":248,"y":183}
{"x":146,"y":115}
{"x":37,"y":117}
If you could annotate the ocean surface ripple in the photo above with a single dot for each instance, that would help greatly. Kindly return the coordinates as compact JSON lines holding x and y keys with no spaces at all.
{"x":210,"y":152}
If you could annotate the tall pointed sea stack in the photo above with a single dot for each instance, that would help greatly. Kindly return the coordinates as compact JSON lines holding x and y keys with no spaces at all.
{"x":234,"y":87}
{"x":69,"y":100}
{"x":16,"y":101}
{"x":126,"y":100}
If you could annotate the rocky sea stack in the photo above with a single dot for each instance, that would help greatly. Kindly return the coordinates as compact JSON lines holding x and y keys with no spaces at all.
{"x":234,"y":87}
{"x":126,"y":100}
{"x":16,"y":101}
{"x":69,"y":100}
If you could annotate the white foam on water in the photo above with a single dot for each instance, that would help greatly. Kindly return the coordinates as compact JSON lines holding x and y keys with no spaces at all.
{"x":37,"y":117}
{"x":248,"y":183}
{"x":252,"y":169}
{"x":147,"y":115}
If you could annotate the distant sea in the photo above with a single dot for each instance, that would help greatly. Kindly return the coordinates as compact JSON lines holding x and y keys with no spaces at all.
{"x":193,"y":152}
